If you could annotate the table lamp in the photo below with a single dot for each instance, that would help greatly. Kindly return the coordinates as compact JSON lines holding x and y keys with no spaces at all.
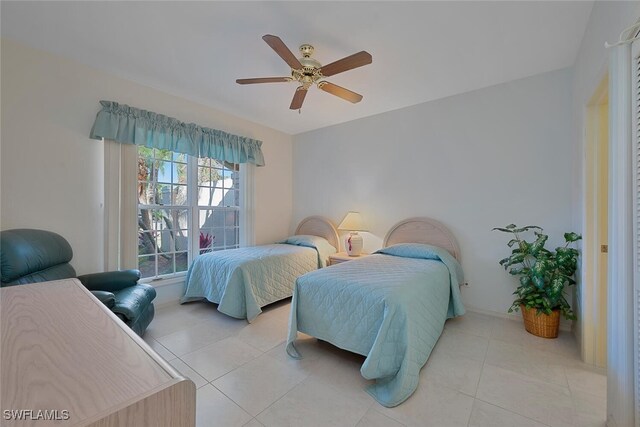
{"x":353,"y":223}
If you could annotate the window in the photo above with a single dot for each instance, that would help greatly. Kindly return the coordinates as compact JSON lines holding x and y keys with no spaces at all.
{"x":186,"y":207}
{"x":218,"y":205}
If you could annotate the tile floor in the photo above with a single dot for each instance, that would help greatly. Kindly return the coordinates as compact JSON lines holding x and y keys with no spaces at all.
{"x":484,"y":372}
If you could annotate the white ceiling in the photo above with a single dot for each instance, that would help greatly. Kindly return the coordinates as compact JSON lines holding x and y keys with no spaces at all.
{"x":421,"y":50}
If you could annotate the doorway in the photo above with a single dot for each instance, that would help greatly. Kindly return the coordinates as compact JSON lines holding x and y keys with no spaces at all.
{"x":595,"y":248}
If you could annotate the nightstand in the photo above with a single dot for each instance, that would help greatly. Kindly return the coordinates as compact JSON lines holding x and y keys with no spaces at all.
{"x":343,"y":257}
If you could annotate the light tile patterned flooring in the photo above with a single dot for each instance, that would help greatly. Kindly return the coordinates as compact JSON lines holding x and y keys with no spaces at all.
{"x":484,"y":372}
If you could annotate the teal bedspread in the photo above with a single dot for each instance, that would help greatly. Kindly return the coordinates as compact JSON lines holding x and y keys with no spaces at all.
{"x":389,"y":308}
{"x":241,"y":281}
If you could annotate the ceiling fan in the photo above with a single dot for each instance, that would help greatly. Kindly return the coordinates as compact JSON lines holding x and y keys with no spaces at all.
{"x":307,"y":71}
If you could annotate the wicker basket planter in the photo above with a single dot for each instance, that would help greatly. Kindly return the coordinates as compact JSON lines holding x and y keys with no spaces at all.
{"x":541,"y":325}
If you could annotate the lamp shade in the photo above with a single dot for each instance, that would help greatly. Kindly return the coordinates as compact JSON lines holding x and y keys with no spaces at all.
{"x":352,"y":222}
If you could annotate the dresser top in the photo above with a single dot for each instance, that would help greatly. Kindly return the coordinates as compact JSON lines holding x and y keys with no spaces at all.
{"x":61,"y":349}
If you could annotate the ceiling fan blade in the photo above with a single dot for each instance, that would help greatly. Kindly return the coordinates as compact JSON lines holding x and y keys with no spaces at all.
{"x":298,"y":98}
{"x":263,"y":80}
{"x":282,"y":50}
{"x":340,"y":92}
{"x":345,"y":64}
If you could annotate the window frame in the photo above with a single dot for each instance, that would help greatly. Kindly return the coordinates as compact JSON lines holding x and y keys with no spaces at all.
{"x":120,"y":203}
{"x":193,"y":218}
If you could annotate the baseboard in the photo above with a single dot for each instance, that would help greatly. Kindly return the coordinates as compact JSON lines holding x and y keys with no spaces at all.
{"x":169,"y":294}
{"x":565,"y":325}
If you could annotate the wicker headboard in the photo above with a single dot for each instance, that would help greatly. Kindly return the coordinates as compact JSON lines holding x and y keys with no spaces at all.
{"x":319,"y":226}
{"x":423,"y":230}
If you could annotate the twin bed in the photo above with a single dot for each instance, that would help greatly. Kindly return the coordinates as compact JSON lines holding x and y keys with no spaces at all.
{"x":242,"y":281}
{"x":390,"y":306}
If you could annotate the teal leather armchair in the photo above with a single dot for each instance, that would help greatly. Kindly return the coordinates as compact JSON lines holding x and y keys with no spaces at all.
{"x":28,"y":256}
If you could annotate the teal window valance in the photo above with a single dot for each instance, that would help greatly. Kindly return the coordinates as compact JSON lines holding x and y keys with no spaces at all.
{"x":131,"y":125}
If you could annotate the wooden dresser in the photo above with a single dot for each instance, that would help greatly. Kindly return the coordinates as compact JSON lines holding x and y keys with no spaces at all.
{"x":64,"y":352}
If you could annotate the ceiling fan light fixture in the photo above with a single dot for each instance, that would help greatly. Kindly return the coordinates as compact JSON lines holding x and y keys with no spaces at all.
{"x":306,"y":50}
{"x":308,"y":70}
{"x":308,"y":62}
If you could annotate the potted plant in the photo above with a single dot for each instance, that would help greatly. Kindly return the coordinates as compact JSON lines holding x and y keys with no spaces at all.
{"x":543,"y":276}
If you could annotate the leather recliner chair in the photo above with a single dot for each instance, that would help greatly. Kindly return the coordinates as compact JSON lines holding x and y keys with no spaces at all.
{"x":29,"y":256}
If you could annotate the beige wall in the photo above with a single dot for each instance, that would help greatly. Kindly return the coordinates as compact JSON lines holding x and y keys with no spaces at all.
{"x":593,"y":287}
{"x":603,"y":233}
{"x":52,"y":173}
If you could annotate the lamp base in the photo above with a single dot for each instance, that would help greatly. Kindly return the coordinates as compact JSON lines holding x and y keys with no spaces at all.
{"x":353,"y":244}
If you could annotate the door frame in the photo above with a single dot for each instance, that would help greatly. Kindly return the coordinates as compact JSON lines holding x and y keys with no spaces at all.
{"x":593,"y":312}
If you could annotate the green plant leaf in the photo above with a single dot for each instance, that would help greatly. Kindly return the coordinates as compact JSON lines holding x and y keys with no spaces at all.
{"x":526,"y":228}
{"x":538,"y":245}
{"x":556,"y":287}
{"x":541,"y":267}
{"x":514,"y":259}
{"x":516,"y":270}
{"x":538,"y":281}
{"x":525,"y":280}
{"x":572,"y":237}
{"x":504,"y":230}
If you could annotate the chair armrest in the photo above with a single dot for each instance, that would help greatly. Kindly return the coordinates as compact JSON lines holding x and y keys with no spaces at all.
{"x":110,"y":281}
{"x":107,"y":298}
{"x":133,"y":301}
